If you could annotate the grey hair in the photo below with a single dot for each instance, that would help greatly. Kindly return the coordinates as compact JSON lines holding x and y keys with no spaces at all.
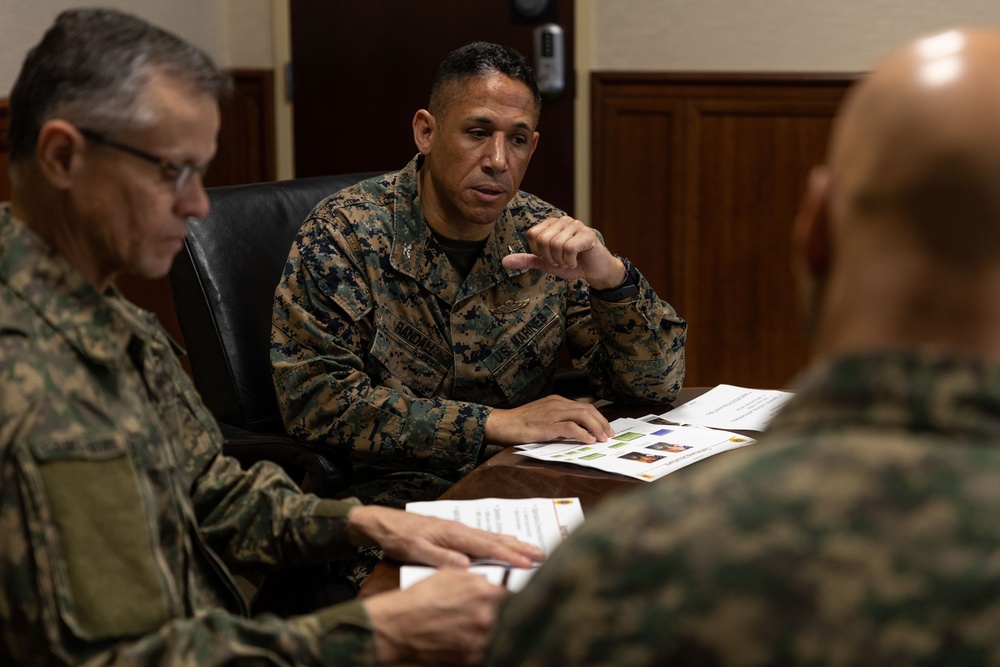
{"x":92,"y":67}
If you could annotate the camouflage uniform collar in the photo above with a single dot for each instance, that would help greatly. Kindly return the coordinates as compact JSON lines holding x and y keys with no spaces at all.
{"x":504,"y":241}
{"x":33,"y":270}
{"x":907,"y":390}
{"x":415,"y":253}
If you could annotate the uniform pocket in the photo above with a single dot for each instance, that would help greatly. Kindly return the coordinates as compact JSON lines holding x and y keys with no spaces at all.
{"x":107,"y":581}
{"x":409,"y":356}
{"x":525,"y":358}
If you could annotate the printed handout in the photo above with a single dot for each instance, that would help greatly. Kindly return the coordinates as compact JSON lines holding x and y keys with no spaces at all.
{"x":730,"y":407}
{"x":646,"y":448}
{"x":544,"y":522}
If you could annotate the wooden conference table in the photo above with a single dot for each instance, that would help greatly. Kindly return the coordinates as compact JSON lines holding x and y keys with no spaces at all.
{"x":509,"y":475}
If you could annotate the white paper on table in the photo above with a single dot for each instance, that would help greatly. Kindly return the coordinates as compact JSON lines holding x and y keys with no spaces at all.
{"x":544,"y":522}
{"x":731,"y":407}
{"x":645,"y":449}
{"x":517,"y":577}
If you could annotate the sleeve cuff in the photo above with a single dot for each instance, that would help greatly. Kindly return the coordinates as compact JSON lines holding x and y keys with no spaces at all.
{"x":346,"y":635}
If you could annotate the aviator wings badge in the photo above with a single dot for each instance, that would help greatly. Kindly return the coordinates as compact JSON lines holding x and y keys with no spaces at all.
{"x":509,"y":306}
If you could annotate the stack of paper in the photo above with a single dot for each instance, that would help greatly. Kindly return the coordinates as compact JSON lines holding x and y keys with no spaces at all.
{"x":655,"y":445}
{"x":731,"y":407}
{"x":544,"y":522}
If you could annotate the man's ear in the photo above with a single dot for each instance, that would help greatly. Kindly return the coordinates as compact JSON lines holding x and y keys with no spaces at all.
{"x":59,"y":151}
{"x":811,"y":244}
{"x":812,"y":249}
{"x":424,"y":126}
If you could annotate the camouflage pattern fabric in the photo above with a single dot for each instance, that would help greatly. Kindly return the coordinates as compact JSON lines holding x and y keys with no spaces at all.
{"x":120,"y":521}
{"x":379,"y":351}
{"x":862,"y":529}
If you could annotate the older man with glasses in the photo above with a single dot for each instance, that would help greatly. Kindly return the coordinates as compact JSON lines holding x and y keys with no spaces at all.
{"x":121,"y":522}
{"x":178,"y":172}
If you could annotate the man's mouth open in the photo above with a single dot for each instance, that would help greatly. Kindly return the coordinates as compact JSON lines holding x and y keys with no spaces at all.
{"x":489,"y":193}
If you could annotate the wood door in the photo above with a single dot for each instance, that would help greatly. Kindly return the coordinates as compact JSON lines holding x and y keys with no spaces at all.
{"x":362,"y":68}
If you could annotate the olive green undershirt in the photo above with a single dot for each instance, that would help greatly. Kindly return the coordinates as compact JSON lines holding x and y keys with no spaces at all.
{"x":461,"y":254}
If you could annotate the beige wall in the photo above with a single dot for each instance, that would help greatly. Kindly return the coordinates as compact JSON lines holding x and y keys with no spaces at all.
{"x":249,"y":33}
{"x":766,"y":35}
{"x":732,"y":35}
{"x":236,"y":33}
{"x":703,"y":35}
{"x":789,"y":35}
{"x":747,"y":35}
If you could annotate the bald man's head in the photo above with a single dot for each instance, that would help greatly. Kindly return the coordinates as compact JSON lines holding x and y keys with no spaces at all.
{"x":917,"y":147}
{"x":897,"y":241}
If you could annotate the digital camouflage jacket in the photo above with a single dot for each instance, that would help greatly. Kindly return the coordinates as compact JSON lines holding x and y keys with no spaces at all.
{"x":379,"y":351}
{"x":120,"y":520}
{"x":861,"y":529}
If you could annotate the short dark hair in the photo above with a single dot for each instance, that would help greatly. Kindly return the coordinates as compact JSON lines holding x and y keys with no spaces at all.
{"x":480,"y":59}
{"x":92,"y":67}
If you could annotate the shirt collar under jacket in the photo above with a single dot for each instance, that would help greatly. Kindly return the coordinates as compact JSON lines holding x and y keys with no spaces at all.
{"x":416,"y":255}
{"x":98,"y":325}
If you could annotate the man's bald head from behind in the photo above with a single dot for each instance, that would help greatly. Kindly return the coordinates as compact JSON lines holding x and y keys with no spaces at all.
{"x":909,"y":204}
{"x":920,"y":139}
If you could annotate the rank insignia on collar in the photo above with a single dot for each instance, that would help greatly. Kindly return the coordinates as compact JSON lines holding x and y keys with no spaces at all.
{"x":407,"y":250}
{"x":509,"y":306}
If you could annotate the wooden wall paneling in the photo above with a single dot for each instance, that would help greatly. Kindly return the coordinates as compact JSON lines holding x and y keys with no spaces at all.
{"x":748,"y":161}
{"x":246,"y":151}
{"x":711,"y":231}
{"x":633,"y":204}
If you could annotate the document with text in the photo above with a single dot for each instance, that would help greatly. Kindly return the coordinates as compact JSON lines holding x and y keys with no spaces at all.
{"x":647,"y":448}
{"x":727,"y":406}
{"x":544,"y":522}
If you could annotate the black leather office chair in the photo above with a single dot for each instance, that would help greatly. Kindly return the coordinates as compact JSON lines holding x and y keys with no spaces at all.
{"x":223,"y":286}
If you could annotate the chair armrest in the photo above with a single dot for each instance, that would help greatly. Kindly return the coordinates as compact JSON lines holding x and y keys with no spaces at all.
{"x":313,"y":471}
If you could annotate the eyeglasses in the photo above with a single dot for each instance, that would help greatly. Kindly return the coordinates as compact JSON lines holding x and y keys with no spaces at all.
{"x":178,"y":172}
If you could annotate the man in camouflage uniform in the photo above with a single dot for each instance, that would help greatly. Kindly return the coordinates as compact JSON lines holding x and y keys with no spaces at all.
{"x":863,"y":528}
{"x":121,"y":523}
{"x":421,"y":314}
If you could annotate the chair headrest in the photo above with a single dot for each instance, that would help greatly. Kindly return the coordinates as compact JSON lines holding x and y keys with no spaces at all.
{"x":223,"y":283}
